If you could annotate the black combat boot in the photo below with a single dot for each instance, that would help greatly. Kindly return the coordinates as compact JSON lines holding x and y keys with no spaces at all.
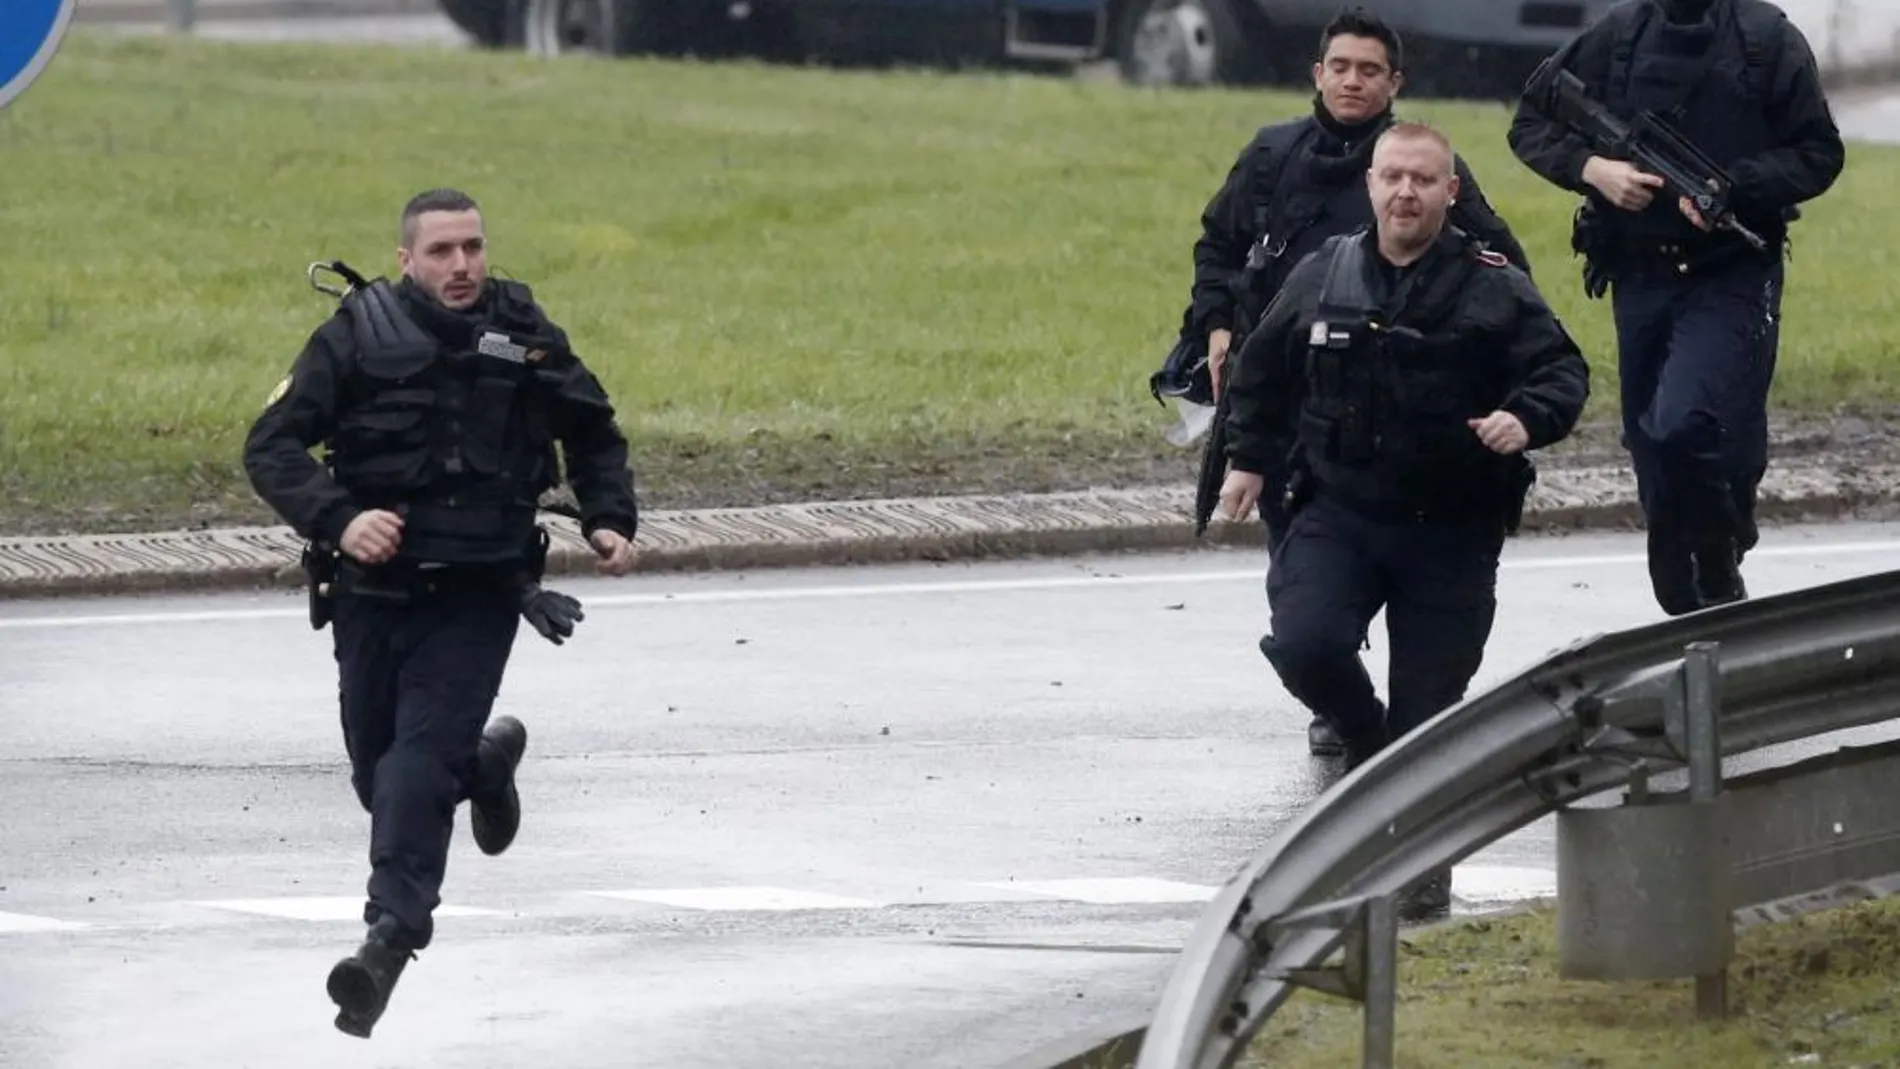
{"x":1430,"y":899}
{"x":1672,"y":573}
{"x":1718,"y":574}
{"x":361,"y":984}
{"x":494,"y":807}
{"x":1322,"y":740}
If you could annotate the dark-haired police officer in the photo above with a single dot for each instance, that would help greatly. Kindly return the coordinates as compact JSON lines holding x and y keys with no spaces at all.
{"x":1697,"y":310}
{"x":1295,"y":184}
{"x":1401,"y":374}
{"x":441,"y":398}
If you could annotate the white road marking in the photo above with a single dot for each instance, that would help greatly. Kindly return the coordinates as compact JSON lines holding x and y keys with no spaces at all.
{"x":953,"y":586}
{"x":339,"y":908}
{"x":23,"y":922}
{"x":741,"y":898}
{"x":1480,"y":884}
{"x":1111,"y":891}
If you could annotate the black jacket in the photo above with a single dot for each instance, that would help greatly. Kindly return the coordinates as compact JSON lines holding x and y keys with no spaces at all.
{"x":325,"y":380}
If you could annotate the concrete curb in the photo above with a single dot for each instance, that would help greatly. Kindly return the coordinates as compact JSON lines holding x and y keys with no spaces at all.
{"x":866,"y":532}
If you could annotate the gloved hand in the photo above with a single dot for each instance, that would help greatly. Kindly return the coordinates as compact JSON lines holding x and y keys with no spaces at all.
{"x":550,"y":612}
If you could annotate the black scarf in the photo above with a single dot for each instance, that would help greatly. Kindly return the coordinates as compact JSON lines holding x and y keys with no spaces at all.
{"x":455,"y":328}
{"x":1341,"y":151}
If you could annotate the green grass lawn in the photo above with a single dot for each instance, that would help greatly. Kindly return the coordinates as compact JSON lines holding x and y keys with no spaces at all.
{"x":1484,"y":994}
{"x":796,"y":283}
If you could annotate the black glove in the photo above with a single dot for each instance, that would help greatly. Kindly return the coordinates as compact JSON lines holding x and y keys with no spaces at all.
{"x":550,"y":612}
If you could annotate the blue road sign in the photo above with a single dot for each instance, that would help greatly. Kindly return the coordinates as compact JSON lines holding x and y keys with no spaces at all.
{"x":30,"y":31}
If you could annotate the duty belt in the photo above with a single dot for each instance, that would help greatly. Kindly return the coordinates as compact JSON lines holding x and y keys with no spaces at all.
{"x":1683,"y":258}
{"x":1400,"y":512}
{"x":401,"y":579}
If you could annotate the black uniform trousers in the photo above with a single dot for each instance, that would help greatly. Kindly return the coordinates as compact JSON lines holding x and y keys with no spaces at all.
{"x":1336,"y":568}
{"x":1696,"y":356}
{"x":418,"y":674}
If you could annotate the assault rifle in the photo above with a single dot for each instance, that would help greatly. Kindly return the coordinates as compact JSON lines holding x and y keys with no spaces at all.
{"x":1655,"y":146}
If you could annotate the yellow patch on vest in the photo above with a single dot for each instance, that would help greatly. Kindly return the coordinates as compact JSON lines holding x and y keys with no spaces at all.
{"x":277,"y":394}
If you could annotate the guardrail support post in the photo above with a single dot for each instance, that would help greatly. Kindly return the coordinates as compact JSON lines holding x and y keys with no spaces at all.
{"x":180,"y":15}
{"x":1701,"y":676}
{"x":1368,"y":973}
{"x":1644,"y":890}
{"x":1380,"y":926}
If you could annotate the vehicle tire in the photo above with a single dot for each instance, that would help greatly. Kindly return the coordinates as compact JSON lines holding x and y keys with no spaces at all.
{"x":1192,"y":43}
{"x":605,"y":27}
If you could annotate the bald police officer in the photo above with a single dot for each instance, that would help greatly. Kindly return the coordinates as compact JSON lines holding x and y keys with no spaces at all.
{"x":1401,"y":375}
{"x":1295,"y":184}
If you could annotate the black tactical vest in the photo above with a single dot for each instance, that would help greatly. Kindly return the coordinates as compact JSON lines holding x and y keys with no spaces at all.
{"x":1382,"y":423}
{"x":454,"y":438}
{"x":1711,"y":80}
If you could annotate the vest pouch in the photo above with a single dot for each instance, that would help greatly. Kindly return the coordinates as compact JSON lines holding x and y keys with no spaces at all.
{"x":490,"y":411}
{"x":1433,"y":390}
{"x":383,"y":444}
{"x":1433,"y":396}
{"x":1353,"y":429}
{"x":1321,"y":435}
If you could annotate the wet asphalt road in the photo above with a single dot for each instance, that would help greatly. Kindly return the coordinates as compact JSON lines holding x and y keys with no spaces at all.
{"x":915,"y":816}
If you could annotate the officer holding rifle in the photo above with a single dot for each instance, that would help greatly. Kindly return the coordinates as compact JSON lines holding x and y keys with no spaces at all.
{"x":1693,"y":128}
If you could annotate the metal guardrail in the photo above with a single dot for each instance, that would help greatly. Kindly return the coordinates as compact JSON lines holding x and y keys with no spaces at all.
{"x":1602,"y":713}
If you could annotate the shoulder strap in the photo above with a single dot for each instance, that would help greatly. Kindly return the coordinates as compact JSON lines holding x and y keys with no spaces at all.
{"x":1344,"y":295}
{"x":1273,"y":229}
{"x":1443,"y":289}
{"x":1629,"y":21}
{"x":384,"y":331}
{"x":514,"y":291}
{"x":520,"y":328}
{"x":1761,"y":27}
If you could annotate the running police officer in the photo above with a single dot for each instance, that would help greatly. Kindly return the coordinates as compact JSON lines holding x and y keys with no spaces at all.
{"x":1697,"y":310}
{"x":1401,"y":375}
{"x":1294,"y":185}
{"x":440,"y":399}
